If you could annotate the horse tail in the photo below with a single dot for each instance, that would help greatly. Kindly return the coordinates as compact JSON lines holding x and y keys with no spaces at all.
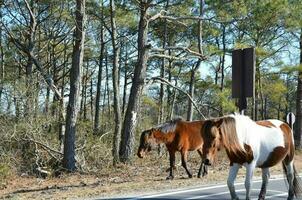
{"x":297,"y":182}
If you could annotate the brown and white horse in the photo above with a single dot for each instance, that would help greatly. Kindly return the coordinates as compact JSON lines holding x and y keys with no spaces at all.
{"x":177,"y":135}
{"x":252,"y":144}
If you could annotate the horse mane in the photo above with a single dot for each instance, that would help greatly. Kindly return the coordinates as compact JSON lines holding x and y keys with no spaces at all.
{"x":236,"y":151}
{"x":169,"y":126}
{"x":229,"y":134}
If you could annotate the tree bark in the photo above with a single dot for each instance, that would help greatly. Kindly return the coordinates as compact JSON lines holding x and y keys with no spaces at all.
{"x":62,"y":124}
{"x":29,"y":66}
{"x":298,"y":130}
{"x":115,"y":82}
{"x":130,"y":121}
{"x":125,"y":81}
{"x":75,"y":85}
{"x":223,"y":58}
{"x":107,"y":86}
{"x":99,"y":83}
{"x":91,"y":99}
{"x":194,"y":69}
{"x":162,"y":73}
{"x":1,"y":59}
{"x":191,"y":93}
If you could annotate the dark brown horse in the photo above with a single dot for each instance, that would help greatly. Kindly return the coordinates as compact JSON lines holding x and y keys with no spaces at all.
{"x":177,"y":135}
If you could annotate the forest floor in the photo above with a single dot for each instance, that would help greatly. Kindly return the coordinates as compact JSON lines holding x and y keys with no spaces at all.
{"x":143,"y":176}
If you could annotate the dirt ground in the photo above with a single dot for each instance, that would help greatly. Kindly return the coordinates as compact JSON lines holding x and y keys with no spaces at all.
{"x":142,"y":176}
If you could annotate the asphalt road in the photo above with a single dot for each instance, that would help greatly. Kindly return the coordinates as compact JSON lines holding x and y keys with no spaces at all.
{"x":277,"y":190}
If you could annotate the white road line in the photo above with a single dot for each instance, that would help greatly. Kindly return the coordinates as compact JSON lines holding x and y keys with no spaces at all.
{"x":212,"y":195}
{"x":198,"y":189}
{"x":241,"y":190}
{"x":276,"y":195}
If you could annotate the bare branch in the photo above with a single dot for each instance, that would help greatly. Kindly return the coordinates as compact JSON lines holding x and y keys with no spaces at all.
{"x":185,"y":49}
{"x":166,"y":56}
{"x":44,"y":146}
{"x":164,"y":81}
{"x":32,"y":16}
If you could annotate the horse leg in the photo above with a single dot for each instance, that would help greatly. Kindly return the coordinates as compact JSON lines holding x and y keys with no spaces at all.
{"x":249,"y":179}
{"x":232,"y":176}
{"x":184,"y":155}
{"x":202,"y":166}
{"x":172,"y":164}
{"x":265,"y":178}
{"x":289,"y":168}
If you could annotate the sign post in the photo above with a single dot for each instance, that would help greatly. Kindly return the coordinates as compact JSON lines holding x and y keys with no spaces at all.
{"x":243,"y":76}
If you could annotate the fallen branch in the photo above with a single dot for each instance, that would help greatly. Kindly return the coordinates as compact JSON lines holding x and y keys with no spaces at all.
{"x":42,"y":145}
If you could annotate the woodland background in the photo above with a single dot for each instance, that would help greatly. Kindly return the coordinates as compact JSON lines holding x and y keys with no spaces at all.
{"x":80,"y":80}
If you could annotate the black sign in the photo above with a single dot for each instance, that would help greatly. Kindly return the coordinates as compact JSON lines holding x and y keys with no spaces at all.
{"x":243,"y":75}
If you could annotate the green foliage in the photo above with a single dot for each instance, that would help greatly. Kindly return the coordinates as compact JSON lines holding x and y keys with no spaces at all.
{"x":223,"y":98}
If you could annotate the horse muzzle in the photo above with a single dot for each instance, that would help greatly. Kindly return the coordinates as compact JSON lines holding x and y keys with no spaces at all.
{"x":207,"y":162}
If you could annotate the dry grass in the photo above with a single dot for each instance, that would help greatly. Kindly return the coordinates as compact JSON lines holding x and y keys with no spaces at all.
{"x":142,"y":176}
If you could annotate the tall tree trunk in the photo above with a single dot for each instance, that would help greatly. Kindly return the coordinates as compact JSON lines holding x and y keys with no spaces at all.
{"x":125,"y":81}
{"x":29,"y":66}
{"x":85,"y":86}
{"x":127,"y":139}
{"x":54,"y":107}
{"x":171,"y":112}
{"x":62,"y":109}
{"x":105,"y":92}
{"x":115,"y":82}
{"x":191,"y":93}
{"x":107,"y":86}
{"x":75,"y":85}
{"x":1,"y":60}
{"x":91,"y":99}
{"x":170,"y":95}
{"x":298,"y":130}
{"x":162,"y":73}
{"x":99,"y":83}
{"x":193,"y":71}
{"x":223,"y":59}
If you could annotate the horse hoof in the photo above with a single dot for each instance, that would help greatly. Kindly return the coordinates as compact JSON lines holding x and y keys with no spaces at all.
{"x":170,"y":178}
{"x":190,"y":176}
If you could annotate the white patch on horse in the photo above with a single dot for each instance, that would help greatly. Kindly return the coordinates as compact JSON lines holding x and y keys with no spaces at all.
{"x":261,"y":139}
{"x":277,"y":123}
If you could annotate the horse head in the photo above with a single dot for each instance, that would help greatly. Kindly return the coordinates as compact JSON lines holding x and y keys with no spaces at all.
{"x":211,"y":140}
{"x":147,"y":142}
